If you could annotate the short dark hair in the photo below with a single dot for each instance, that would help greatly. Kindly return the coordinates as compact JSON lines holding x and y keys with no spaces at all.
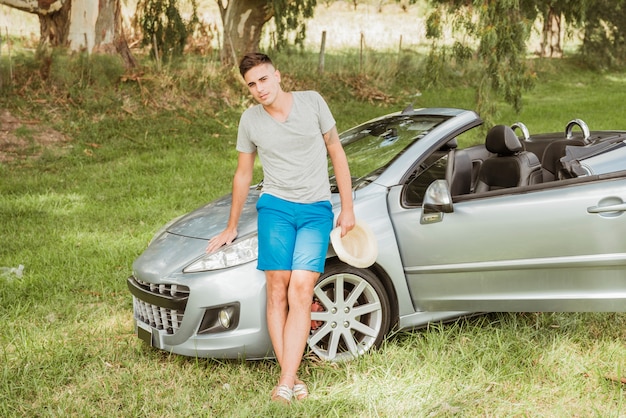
{"x":252,"y":59}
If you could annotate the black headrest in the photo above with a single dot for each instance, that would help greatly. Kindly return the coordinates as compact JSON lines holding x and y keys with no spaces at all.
{"x":502,"y":140}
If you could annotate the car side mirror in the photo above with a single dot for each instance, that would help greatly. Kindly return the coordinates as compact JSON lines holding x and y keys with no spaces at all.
{"x":437,"y":201}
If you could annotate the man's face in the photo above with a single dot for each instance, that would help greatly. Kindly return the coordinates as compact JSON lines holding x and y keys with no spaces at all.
{"x":264,"y":83}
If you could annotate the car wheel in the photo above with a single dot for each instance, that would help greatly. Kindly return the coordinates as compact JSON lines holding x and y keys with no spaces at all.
{"x":350,"y":313}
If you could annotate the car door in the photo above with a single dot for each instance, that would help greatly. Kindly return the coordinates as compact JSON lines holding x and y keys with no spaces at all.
{"x":545,"y":248}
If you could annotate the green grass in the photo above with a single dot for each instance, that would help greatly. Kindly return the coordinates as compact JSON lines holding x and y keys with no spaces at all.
{"x":77,"y":214}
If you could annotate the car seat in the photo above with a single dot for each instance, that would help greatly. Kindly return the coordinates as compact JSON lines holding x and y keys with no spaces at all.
{"x":510,"y":166}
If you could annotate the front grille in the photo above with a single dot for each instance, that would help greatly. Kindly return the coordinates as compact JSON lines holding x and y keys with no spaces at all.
{"x":159,"y":305}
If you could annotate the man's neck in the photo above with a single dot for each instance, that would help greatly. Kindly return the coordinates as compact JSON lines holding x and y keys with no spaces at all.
{"x":281,"y":107}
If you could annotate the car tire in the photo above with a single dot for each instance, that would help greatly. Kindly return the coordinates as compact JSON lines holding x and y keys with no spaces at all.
{"x":350,"y":315}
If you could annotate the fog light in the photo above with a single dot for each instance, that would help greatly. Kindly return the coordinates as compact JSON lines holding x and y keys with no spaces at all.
{"x":219,"y":319}
{"x":224,"y":317}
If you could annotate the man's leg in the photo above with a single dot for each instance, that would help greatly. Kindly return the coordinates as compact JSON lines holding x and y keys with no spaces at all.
{"x":289,"y":296}
{"x":298,"y":323}
{"x":277,"y":282}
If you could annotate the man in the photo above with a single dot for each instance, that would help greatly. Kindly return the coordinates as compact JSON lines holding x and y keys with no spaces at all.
{"x":293,"y":132}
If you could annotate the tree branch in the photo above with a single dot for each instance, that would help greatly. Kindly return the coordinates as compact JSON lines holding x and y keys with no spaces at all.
{"x":221,"y":6}
{"x":40,"y":7}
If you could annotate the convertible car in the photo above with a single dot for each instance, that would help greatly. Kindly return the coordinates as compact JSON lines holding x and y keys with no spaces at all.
{"x":518,"y":222}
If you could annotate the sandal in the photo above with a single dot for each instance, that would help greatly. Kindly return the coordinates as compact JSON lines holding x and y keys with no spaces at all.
{"x":282,"y":393}
{"x":300,"y":391}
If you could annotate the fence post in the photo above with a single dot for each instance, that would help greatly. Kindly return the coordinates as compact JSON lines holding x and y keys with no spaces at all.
{"x":156,"y":52}
{"x":320,"y":67}
{"x":362,"y":46}
{"x":9,"y":48}
{"x":1,"y":56}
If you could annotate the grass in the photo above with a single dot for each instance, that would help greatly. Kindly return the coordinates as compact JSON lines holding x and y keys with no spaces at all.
{"x":140,"y":152}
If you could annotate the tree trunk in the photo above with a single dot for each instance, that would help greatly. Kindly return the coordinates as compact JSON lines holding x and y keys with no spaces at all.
{"x":243,"y":22}
{"x":54,"y":27}
{"x":109,"y":31}
{"x":551,"y":35}
{"x":88,"y":25}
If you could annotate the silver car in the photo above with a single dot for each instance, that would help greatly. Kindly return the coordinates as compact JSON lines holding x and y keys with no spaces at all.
{"x":519,"y":222}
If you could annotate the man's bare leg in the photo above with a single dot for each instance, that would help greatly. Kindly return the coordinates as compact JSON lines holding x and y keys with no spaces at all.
{"x":277,"y":308}
{"x":298,"y":324}
{"x":289,"y":318}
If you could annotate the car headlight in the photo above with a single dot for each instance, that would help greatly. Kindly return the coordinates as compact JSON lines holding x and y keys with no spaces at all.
{"x":239,"y":252}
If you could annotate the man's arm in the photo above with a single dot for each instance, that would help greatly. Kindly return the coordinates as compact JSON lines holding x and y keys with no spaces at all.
{"x":241,"y":186}
{"x":338,"y":158}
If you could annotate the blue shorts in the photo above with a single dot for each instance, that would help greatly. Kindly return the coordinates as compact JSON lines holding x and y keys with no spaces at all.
{"x":293,"y":236}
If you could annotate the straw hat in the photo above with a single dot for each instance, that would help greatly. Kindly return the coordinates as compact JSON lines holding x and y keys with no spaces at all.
{"x":358,"y":247}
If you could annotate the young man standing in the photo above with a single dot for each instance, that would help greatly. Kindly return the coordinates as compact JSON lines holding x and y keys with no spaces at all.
{"x":293,"y":133}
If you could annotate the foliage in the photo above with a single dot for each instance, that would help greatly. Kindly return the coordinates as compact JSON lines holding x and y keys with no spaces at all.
{"x":604,"y":44}
{"x":494,"y":33}
{"x":574,"y":11}
{"x":163,"y":27}
{"x":290,"y":17}
{"x":601,"y":22}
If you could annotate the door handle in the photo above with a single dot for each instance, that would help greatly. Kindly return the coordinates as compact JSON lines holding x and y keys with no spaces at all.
{"x":609,"y":208}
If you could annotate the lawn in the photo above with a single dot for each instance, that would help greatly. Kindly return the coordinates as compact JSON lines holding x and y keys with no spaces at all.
{"x":91,"y":169}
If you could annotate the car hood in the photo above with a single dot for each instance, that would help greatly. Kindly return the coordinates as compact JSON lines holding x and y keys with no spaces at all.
{"x":211,"y":219}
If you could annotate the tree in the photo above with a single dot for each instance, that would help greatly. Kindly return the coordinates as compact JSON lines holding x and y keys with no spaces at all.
{"x":551,"y":34}
{"x":604,"y":43}
{"x":163,"y":27}
{"x":500,"y":29}
{"x":556,"y":14}
{"x":495,"y":34}
{"x":243,"y":22}
{"x":79,"y":25}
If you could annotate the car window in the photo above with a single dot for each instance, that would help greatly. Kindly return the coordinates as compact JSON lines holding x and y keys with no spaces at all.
{"x":434,"y":168}
{"x":371,"y":147}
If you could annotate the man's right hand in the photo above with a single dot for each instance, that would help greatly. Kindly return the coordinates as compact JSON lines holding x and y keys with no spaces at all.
{"x":225,"y":237}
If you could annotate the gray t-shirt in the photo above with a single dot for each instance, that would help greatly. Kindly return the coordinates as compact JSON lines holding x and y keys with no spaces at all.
{"x":293,"y":153}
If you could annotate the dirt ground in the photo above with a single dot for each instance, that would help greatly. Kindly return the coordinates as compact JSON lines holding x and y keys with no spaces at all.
{"x":23,"y":139}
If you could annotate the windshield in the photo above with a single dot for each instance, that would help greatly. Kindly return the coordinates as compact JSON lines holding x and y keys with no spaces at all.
{"x":371,"y":147}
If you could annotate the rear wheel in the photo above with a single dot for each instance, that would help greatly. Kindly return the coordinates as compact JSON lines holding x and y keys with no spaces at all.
{"x":350,"y":313}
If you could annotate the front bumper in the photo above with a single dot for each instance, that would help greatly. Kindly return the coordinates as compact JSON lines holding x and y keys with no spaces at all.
{"x":168,"y":314}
